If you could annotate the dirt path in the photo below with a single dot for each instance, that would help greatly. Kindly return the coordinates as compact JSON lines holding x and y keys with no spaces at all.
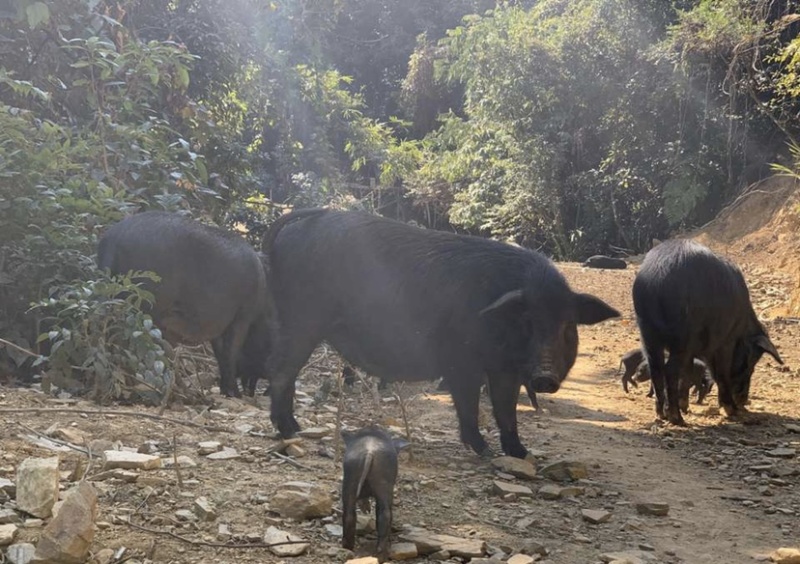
{"x":645,"y":465}
{"x":721,"y":509}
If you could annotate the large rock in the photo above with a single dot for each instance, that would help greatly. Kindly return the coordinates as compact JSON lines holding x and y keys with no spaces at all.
{"x":515,"y":466}
{"x":7,"y":534}
{"x":428,"y":543}
{"x":786,"y":556}
{"x":403,"y":551}
{"x":521,"y":559}
{"x":37,"y":486}
{"x":565,"y":471}
{"x":67,"y":538}
{"x":504,"y":488}
{"x":9,"y":516}
{"x":204,"y":509}
{"x":130,"y":460}
{"x":595,"y":516}
{"x":274,"y":535}
{"x":21,"y":553}
{"x":301,"y":500}
{"x":7,"y":487}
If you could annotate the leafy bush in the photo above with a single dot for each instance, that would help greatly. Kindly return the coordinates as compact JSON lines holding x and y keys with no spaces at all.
{"x":101,"y":342}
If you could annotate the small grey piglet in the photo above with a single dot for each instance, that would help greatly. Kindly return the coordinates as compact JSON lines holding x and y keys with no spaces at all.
{"x":370,"y":470}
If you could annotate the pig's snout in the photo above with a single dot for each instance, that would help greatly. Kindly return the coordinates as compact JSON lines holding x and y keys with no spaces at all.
{"x":545,"y":385}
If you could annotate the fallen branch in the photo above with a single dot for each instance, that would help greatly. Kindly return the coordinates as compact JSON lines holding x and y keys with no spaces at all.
{"x":402,"y":402}
{"x":19,"y":348}
{"x":53,"y":440}
{"x":214,"y":428}
{"x":290,"y":460}
{"x":209,"y":544}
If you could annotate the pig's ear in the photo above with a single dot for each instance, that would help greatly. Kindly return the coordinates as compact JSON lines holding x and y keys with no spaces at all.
{"x":512,"y":297}
{"x":763,"y":342}
{"x":593,"y":310}
{"x":400,"y":444}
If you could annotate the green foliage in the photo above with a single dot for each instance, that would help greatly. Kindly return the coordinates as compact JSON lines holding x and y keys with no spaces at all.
{"x":567,"y":139}
{"x":102,"y":342}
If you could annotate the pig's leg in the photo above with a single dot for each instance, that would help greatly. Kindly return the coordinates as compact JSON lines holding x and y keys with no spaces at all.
{"x":504,"y":391}
{"x":383,"y":522}
{"x":465,"y":389}
{"x":349,"y":493}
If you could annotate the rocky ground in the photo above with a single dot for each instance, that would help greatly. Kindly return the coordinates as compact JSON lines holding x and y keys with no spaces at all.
{"x":635,"y":490}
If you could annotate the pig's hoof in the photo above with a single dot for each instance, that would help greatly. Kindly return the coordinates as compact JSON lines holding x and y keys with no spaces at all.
{"x":677,"y":419}
{"x":487,"y":453}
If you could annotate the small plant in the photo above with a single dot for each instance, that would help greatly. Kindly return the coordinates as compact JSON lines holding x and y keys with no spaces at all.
{"x":101,"y":342}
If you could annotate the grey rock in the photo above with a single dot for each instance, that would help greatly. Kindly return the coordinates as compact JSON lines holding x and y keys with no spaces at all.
{"x":782,"y":453}
{"x":657,"y":509}
{"x":183,"y":461}
{"x":314,"y":433}
{"x":403,"y":551}
{"x":9,"y":516}
{"x":564,"y":471}
{"x":208,"y":447}
{"x":533,"y":547}
{"x":515,"y":466}
{"x":595,"y":516}
{"x":224,"y":454}
{"x":504,"y":488}
{"x":428,"y":543}
{"x":8,"y":487}
{"x":301,"y":500}
{"x":274,"y":535}
{"x":37,"y":486}
{"x":185,"y":515}
{"x":67,"y":538}
{"x":21,"y":553}
{"x":130,"y":460}
{"x":204,"y":509}
{"x":521,"y":559}
{"x":7,"y":534}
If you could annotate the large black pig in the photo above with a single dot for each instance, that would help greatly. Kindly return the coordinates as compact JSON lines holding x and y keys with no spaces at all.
{"x":695,"y":304}
{"x":413,"y":304}
{"x":212,"y":288}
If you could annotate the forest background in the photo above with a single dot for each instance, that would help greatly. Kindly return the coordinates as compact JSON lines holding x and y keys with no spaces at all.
{"x":568,"y":126}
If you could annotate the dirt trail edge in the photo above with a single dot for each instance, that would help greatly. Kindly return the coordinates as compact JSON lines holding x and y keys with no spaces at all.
{"x":702,"y":526}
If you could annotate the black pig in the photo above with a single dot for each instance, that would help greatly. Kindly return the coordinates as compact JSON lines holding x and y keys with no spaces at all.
{"x":631,"y":360}
{"x":602,"y":261}
{"x":695,"y":304}
{"x":636,"y":370}
{"x":370,"y":470}
{"x":410,"y":304}
{"x":212,"y":288}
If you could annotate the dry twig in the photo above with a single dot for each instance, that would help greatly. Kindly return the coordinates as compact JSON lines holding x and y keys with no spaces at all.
{"x":290,"y":460}
{"x":209,"y":544}
{"x":51,"y":439}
